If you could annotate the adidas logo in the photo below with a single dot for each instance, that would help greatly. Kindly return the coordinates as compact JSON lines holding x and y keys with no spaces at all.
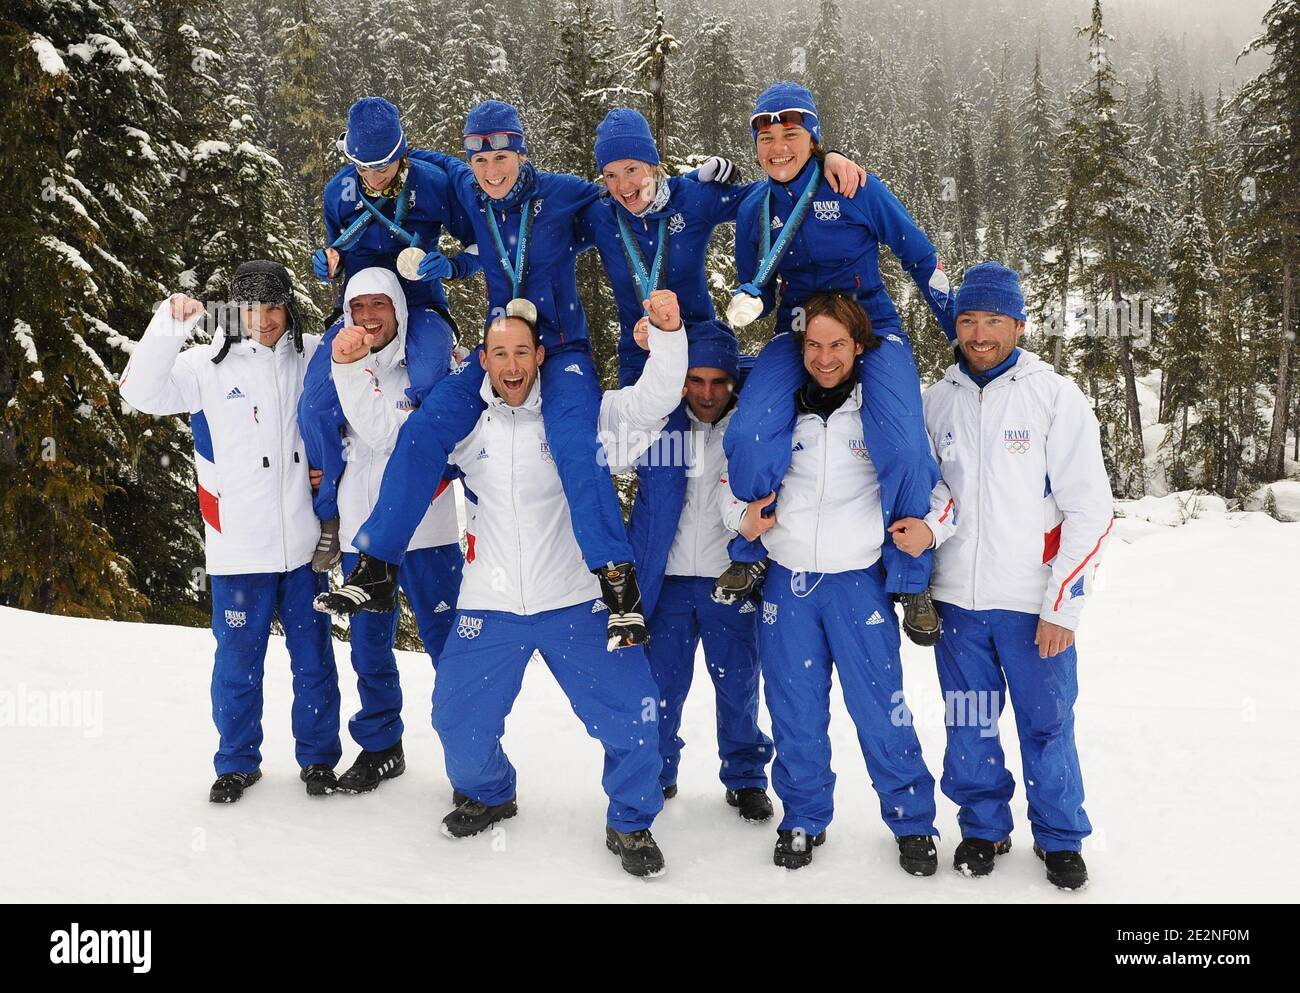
{"x":442,"y":606}
{"x":599,"y":605}
{"x":748,"y":608}
{"x":573,"y":368}
{"x":235,"y":394}
{"x":482,"y":454}
{"x":875,"y":618}
{"x":776,"y":223}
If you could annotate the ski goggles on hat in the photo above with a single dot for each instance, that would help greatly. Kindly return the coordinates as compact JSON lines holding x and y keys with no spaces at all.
{"x":792,"y":118}
{"x":497,"y":142}
{"x":342,"y":145}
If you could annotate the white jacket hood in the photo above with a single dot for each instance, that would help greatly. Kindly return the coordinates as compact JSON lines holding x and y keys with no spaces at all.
{"x":377,"y":280}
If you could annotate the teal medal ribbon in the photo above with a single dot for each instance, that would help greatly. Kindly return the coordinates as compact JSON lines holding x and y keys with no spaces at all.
{"x":515,"y":271}
{"x":353,"y":231}
{"x":647,"y":282}
{"x":772,"y":253}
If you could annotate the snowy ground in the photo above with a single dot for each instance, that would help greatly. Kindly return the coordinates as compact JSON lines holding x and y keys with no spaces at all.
{"x":1189,"y":730}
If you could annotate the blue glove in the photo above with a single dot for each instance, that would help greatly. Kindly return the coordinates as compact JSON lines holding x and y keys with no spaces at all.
{"x":434,"y":265}
{"x":320,"y":265}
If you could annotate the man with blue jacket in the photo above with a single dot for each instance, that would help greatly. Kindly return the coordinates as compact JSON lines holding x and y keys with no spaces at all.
{"x":383,"y":203}
{"x":1020,"y":519}
{"x":255,"y":499}
{"x":526,"y":220}
{"x":678,"y":573}
{"x":794,"y":232}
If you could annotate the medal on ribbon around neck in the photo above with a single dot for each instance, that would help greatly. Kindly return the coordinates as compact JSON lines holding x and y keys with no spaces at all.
{"x":747,"y":304}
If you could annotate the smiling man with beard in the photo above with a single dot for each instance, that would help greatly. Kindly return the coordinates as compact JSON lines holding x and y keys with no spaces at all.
{"x":825,"y":605}
{"x":1021,"y":517}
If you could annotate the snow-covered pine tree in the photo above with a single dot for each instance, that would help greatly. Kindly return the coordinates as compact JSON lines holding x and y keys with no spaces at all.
{"x":933,"y":96}
{"x":585,"y":83}
{"x":962,"y":183}
{"x":723,"y":93}
{"x":1271,"y":142}
{"x":1181,"y":349}
{"x":1112,"y":222}
{"x":1038,"y":132}
{"x":87,"y":154}
{"x":303,"y":128}
{"x":465,"y":55}
{"x":1159,"y":172}
{"x":1001,"y":174}
{"x":826,"y":63}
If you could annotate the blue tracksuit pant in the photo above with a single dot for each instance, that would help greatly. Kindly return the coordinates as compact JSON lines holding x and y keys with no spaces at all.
{"x":982,"y":652}
{"x":430,"y":578}
{"x":613,"y":694}
{"x":684,"y":616}
{"x":809,"y":622}
{"x":758,"y":442}
{"x":429,"y":341}
{"x":571,"y":403}
{"x":242,"y":610}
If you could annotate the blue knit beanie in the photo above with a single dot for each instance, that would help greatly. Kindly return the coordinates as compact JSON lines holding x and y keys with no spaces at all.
{"x":993,"y":287}
{"x":788,"y":96}
{"x":374,"y":138}
{"x":713,"y":345}
{"x":624,"y":134}
{"x":495,"y":117}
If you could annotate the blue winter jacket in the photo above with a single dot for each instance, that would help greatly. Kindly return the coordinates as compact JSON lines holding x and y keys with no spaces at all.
{"x":692,"y":209}
{"x":554,"y":243}
{"x":838,"y":248}
{"x":432,"y":207}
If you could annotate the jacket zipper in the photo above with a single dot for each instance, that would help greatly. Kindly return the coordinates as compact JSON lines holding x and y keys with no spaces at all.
{"x":821,"y":490}
{"x":979,"y":498}
{"x":514,"y":506}
{"x":279,"y":420}
{"x":698,"y":517}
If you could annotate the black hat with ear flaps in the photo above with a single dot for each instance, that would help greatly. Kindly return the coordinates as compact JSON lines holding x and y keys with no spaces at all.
{"x":262,"y":281}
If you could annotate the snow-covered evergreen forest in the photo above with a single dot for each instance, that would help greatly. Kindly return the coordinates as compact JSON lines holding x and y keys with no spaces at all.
{"x":1143,"y":177}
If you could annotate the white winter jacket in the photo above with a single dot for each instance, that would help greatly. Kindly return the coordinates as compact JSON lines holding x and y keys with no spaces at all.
{"x":372,"y":392}
{"x":828,"y":515}
{"x":521,"y":555}
{"x":1024,"y":509}
{"x":254,"y":492}
{"x":700,"y":545}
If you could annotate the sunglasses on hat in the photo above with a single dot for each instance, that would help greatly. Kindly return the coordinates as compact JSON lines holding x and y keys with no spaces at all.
{"x":785,"y":118}
{"x":496,"y":142}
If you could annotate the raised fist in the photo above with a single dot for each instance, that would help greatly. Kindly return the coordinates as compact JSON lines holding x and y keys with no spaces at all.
{"x":663,"y":311}
{"x":185,"y":308}
{"x":350,"y":344}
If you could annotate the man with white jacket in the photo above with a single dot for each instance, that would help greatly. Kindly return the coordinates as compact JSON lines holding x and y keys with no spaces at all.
{"x":367,"y":369}
{"x":1020,"y":518}
{"x":526,"y":589}
{"x":680,"y":541}
{"x":241,"y":393}
{"x":825,"y":604}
